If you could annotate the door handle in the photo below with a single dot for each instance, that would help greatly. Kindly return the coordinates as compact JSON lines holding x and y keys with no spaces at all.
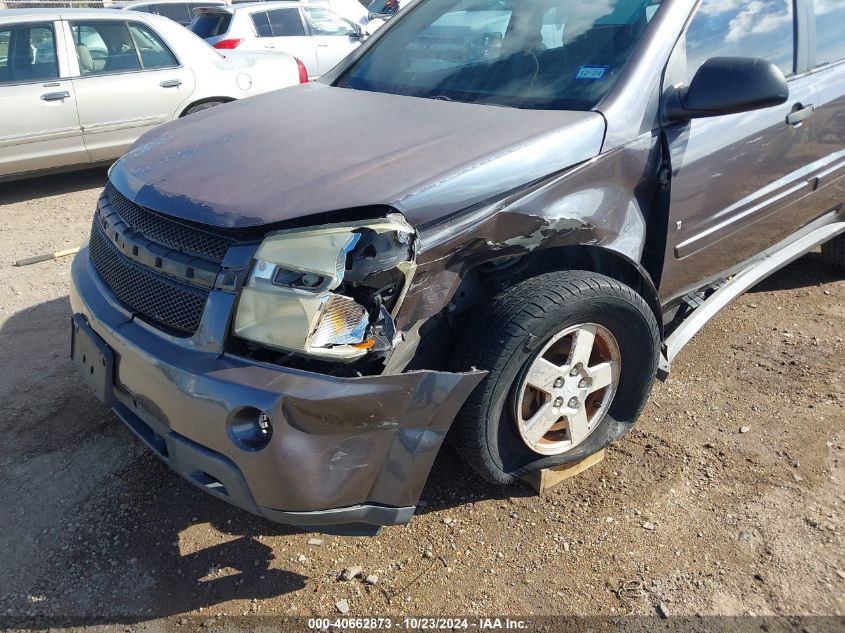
{"x":323,"y":45}
{"x":269,"y":46}
{"x":800,"y":113}
{"x":55,"y":96}
{"x":171,"y":83}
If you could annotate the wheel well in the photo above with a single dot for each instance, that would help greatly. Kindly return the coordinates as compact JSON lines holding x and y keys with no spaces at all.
{"x":206,"y":100}
{"x":484,"y":280}
{"x":489,"y":278}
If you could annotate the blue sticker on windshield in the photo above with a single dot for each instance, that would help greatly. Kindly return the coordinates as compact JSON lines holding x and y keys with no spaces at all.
{"x":592,"y":72}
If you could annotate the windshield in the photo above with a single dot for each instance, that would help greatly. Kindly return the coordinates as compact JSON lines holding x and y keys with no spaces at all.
{"x":545,"y":54}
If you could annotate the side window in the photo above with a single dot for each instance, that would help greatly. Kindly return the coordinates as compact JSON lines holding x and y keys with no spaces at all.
{"x":143,"y":8}
{"x":27,"y":53}
{"x":104,"y":47}
{"x":262,"y":24}
{"x":322,"y":22}
{"x":830,"y":31}
{"x":736,"y":28}
{"x":285,"y":22}
{"x":154,"y":53}
{"x":176,"y":11}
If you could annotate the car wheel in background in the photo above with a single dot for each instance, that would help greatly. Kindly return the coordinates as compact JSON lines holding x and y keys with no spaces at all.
{"x":571,"y":358}
{"x":201,"y":106}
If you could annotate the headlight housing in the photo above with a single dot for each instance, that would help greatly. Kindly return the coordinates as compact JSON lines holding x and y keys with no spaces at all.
{"x":329,"y":291}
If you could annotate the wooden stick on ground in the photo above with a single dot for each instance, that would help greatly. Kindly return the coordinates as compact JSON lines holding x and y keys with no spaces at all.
{"x":47,"y":257}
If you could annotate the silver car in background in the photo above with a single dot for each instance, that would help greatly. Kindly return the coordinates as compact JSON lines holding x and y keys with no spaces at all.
{"x":79,"y":86}
{"x":316,"y":36}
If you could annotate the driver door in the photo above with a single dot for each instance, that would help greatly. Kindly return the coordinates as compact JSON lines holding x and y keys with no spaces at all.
{"x":737,"y":180}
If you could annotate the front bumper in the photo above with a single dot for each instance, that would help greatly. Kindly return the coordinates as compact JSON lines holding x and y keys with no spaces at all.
{"x":347,"y":455}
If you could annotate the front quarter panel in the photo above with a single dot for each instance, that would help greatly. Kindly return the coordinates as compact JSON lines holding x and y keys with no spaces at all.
{"x":603,"y":203}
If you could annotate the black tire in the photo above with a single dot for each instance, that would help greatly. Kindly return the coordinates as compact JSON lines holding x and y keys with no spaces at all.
{"x":833,"y":252}
{"x":507,"y":334}
{"x":199,"y":107}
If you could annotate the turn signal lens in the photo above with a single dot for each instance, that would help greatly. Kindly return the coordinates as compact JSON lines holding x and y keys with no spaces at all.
{"x":343,"y":322}
{"x":227,"y":45}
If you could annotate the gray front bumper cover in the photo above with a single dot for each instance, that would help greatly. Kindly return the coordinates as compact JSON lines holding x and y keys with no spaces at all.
{"x":347,"y":455}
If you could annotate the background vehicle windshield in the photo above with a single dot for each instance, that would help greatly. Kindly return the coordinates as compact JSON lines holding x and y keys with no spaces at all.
{"x":545,"y":54}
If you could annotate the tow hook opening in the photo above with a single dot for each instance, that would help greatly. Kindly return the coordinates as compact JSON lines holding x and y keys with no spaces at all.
{"x":250,"y":429}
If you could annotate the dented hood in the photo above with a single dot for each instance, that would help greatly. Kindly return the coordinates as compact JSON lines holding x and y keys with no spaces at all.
{"x":316,"y":148}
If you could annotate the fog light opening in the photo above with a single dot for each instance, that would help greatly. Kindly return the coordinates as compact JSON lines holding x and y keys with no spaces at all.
{"x":250,"y":429}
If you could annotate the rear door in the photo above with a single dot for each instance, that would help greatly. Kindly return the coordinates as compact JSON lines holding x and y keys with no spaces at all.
{"x":334,"y":37}
{"x":827,"y":125}
{"x":39,"y":125}
{"x":737,"y":180}
{"x":128,"y":82}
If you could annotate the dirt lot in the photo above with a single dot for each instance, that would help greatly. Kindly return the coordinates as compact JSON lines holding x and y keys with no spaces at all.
{"x":709,"y":516}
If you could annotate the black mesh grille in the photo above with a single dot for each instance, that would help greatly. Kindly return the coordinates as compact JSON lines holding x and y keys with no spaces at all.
{"x":160,"y":298}
{"x":176,"y":235}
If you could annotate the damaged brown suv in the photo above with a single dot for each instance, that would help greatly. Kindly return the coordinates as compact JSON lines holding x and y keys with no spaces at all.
{"x":497,"y":219}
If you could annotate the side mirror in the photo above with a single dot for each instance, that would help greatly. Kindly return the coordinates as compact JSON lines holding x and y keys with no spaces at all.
{"x":727,"y":85}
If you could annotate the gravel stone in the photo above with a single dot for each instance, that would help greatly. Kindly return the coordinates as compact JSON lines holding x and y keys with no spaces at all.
{"x":350,"y":573}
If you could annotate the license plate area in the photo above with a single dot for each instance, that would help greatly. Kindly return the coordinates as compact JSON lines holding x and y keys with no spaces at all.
{"x":94,"y":359}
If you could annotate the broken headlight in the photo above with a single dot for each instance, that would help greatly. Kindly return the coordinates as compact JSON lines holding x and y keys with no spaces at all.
{"x":328,"y":291}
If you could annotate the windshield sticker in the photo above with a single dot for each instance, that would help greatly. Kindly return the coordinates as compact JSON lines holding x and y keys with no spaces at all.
{"x":592,"y":72}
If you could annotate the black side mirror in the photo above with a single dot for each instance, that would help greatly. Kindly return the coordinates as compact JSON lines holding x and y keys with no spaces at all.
{"x":727,"y":85}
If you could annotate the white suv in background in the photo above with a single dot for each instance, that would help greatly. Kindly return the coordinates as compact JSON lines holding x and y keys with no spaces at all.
{"x":313,"y":34}
{"x":79,"y":86}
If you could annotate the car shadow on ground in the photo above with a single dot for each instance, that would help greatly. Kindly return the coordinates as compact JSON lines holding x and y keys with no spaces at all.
{"x":52,"y":185}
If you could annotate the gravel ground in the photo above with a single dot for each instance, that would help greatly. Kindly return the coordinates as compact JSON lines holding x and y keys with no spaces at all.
{"x":727,"y":499}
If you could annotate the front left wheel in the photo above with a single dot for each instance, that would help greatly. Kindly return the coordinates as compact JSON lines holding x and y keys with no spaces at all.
{"x":571,"y":358}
